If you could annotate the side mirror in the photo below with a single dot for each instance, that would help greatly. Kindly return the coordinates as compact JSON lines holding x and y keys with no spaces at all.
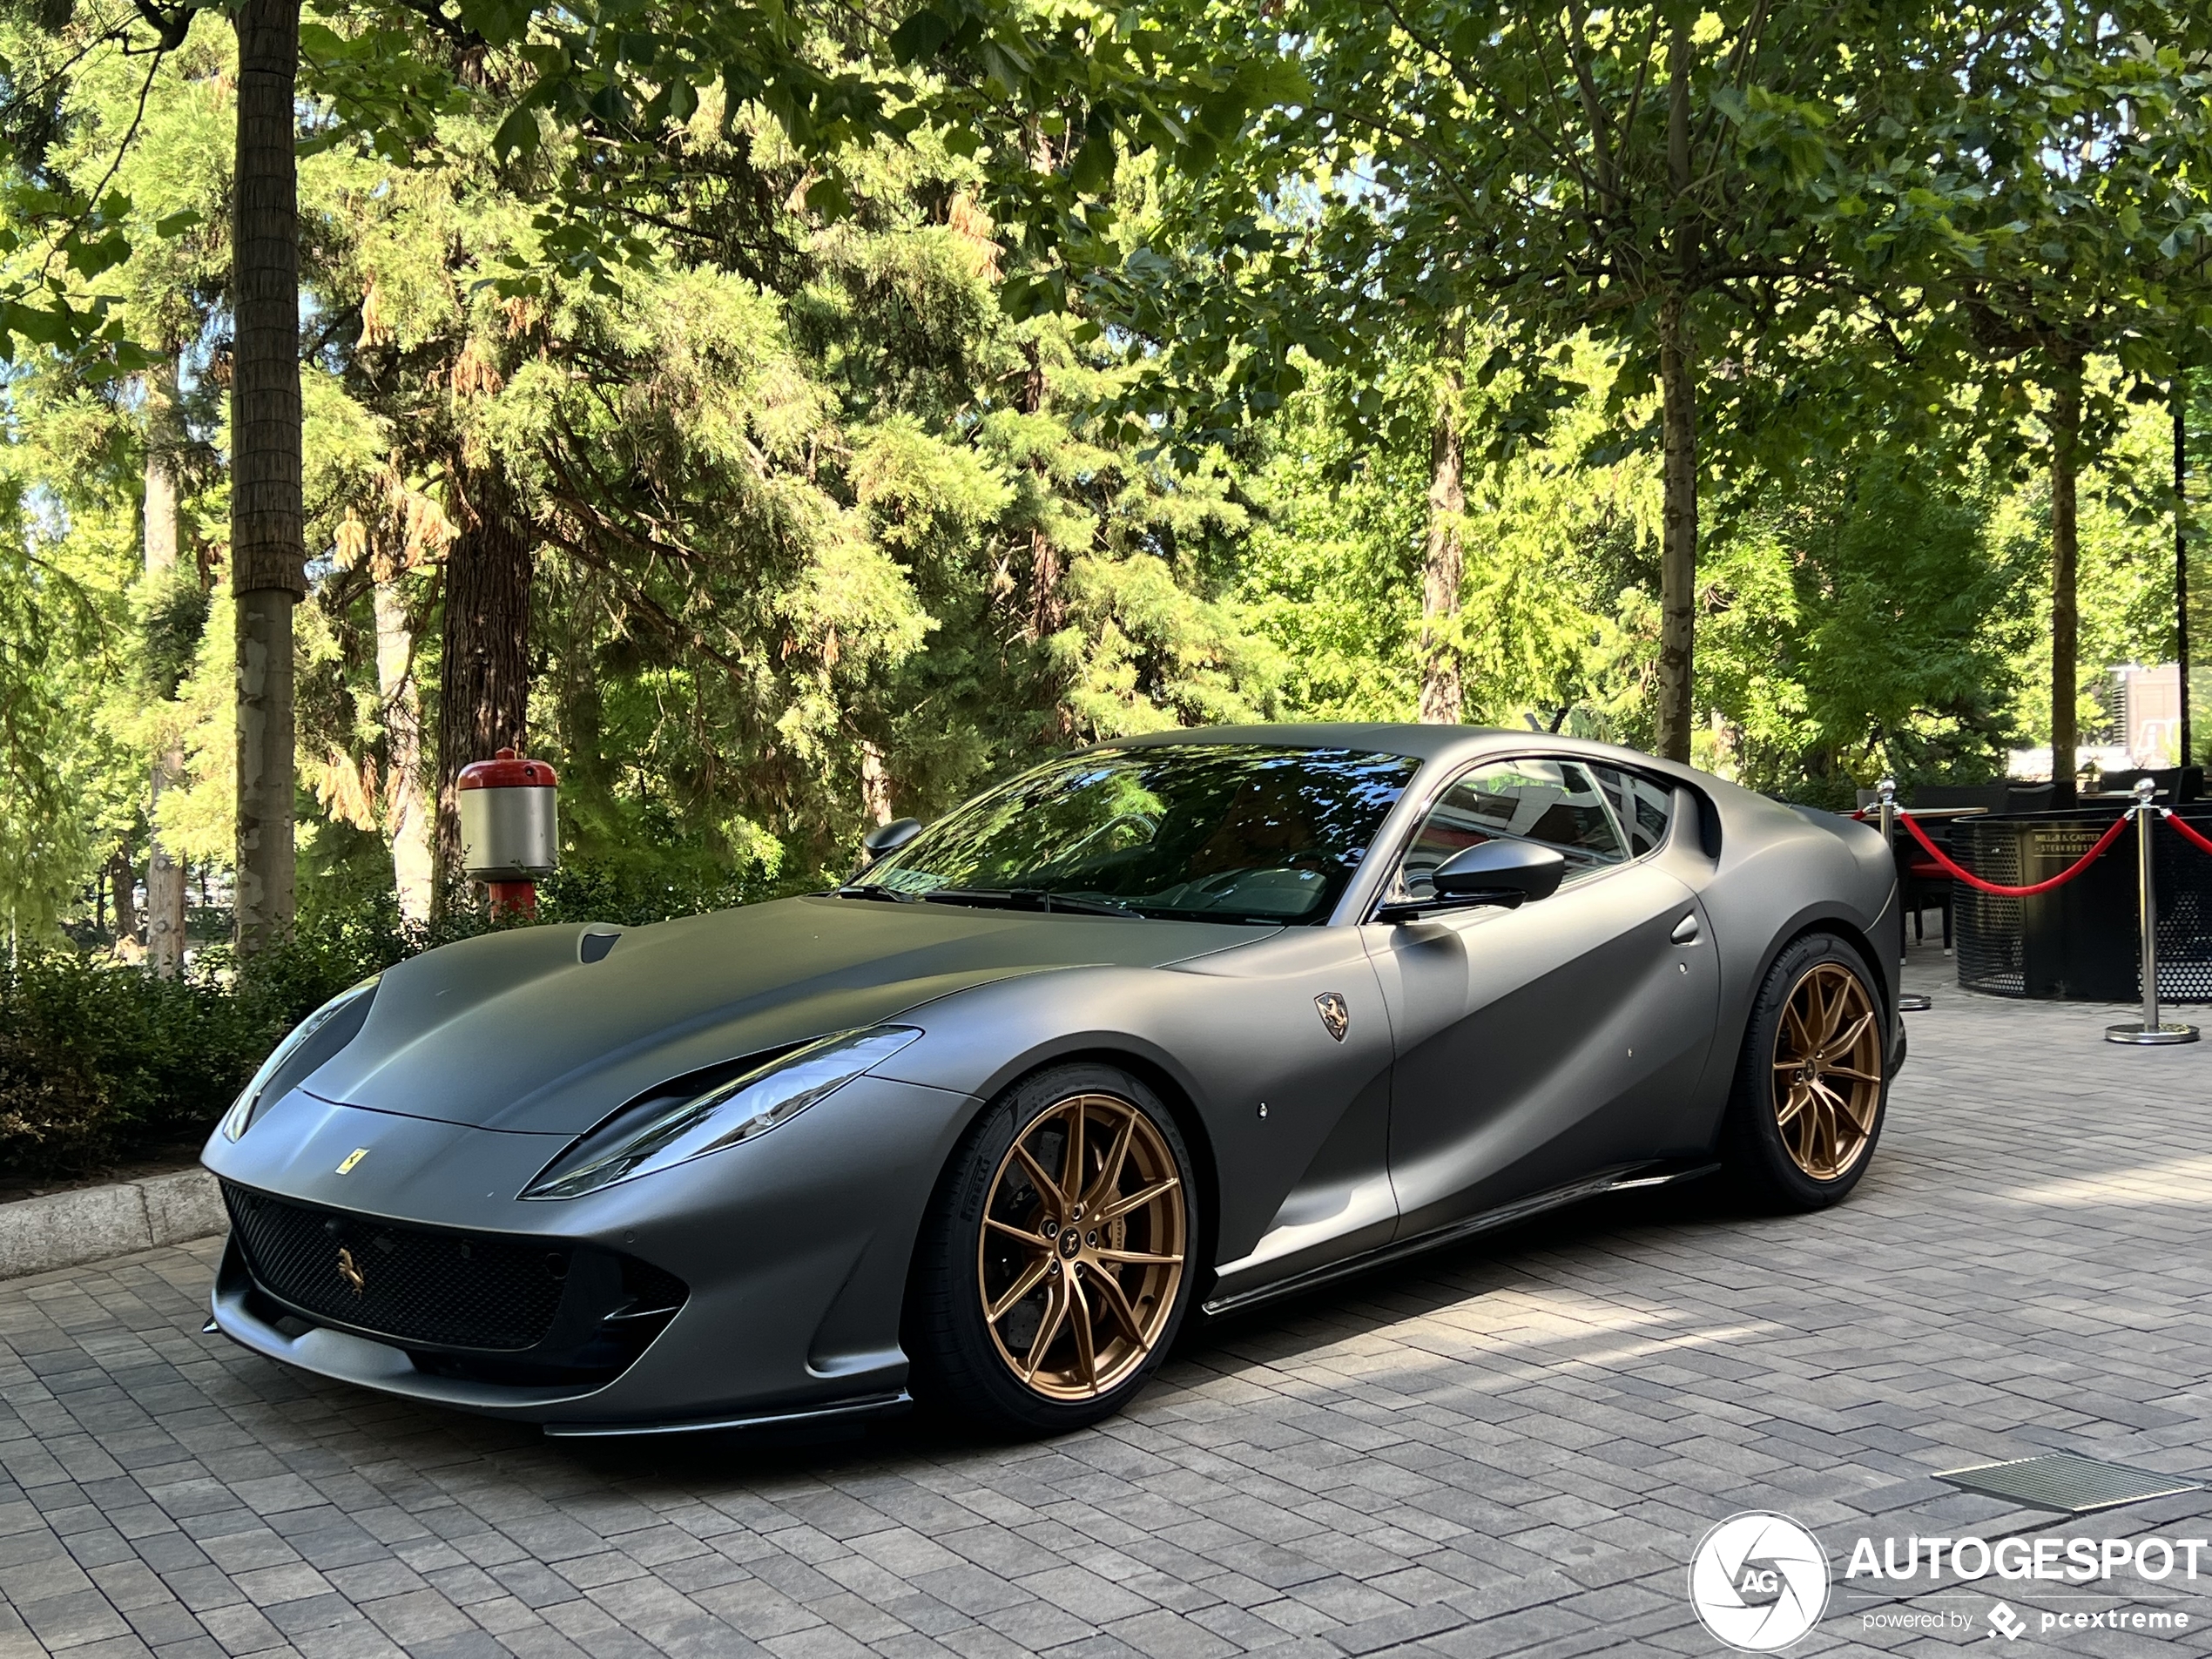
{"x":1500,"y":871}
{"x":889,"y":837}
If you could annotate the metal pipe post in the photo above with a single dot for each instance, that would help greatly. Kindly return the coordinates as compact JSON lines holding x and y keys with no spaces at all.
{"x":1907,"y":1001}
{"x":2149,"y":1030}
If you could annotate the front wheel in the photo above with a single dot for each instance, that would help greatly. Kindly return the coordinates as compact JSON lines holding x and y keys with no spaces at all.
{"x":1054,"y":1271}
{"x":1812,"y":1086}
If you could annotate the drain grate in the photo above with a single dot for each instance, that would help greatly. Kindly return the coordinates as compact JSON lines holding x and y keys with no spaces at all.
{"x":2075,"y":1485}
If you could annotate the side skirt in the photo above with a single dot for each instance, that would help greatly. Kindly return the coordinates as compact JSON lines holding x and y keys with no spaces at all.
{"x":1634,"y":1178}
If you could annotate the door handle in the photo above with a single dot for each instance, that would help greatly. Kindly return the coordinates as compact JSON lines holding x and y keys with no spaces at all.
{"x":1686,"y":931}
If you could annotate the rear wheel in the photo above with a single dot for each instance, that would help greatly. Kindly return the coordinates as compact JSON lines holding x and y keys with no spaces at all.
{"x":1811,"y":1086}
{"x":1053,"y":1272}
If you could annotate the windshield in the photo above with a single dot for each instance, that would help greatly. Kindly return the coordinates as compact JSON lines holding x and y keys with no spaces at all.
{"x":1214,"y":832}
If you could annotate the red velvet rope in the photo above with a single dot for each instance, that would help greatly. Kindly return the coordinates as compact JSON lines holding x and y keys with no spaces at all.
{"x":2189,"y":833}
{"x":1959,"y":872}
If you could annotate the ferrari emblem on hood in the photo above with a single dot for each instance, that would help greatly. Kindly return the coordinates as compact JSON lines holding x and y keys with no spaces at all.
{"x":349,"y":1272}
{"x":1335,"y":1014}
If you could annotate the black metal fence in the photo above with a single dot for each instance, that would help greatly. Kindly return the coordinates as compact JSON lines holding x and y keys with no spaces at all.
{"x":2079,"y":942}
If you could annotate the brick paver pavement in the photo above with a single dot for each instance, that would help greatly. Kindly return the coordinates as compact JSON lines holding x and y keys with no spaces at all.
{"x":1506,"y":1448}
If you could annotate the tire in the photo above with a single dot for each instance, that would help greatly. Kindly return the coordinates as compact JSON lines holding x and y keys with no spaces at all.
{"x":1012,"y":1316}
{"x":1804,"y":1115}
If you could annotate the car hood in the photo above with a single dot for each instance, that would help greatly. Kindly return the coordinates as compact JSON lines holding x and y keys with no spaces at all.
{"x":519,"y":1031}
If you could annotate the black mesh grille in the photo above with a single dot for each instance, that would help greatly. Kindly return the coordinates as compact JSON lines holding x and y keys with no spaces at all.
{"x":650,"y":1289}
{"x":2184,"y":877}
{"x":1989,"y":939}
{"x":473,"y":1291}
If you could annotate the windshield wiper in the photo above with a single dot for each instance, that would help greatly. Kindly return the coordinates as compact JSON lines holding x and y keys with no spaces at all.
{"x":1237,"y":918}
{"x":1028,"y":899}
{"x":871,"y":890}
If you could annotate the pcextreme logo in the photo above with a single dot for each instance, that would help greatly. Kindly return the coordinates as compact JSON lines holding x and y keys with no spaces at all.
{"x":1759,"y":1581}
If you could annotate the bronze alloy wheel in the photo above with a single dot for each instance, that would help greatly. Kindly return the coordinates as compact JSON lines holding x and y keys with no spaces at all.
{"x":1827,"y":1071}
{"x":1081,"y":1248}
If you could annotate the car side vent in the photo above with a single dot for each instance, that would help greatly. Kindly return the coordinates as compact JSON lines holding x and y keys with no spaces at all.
{"x":594,"y":943}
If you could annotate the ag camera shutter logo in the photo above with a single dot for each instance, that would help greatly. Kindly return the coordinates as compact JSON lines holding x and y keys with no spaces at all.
{"x":1759,"y":1581}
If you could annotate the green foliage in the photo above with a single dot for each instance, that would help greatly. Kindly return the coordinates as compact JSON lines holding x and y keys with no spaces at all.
{"x":1558,"y":553}
{"x":59,"y":780}
{"x":96,"y":1061}
{"x":1863,"y":627}
{"x":172,"y":616}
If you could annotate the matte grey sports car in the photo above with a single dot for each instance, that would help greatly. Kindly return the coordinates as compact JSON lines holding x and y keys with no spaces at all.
{"x":1203,"y":1017}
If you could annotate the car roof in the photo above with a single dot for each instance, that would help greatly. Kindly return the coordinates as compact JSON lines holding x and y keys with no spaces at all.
{"x":1382,"y":737}
{"x":1423,"y":743}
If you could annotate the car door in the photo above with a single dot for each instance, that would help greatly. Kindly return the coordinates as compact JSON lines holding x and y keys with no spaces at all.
{"x":1538,"y":1046}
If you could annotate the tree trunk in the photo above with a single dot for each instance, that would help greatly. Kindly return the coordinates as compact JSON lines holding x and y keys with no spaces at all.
{"x":264,"y":770}
{"x":1678,"y":536}
{"x":875,"y":784}
{"x":123,"y":875}
{"x":165,"y":876}
{"x":1047,"y":611}
{"x":483,"y":677}
{"x":2065,"y":424}
{"x":1678,"y":403}
{"x":267,"y":538}
{"x":1443,"y":562}
{"x":407,"y":815}
{"x":163,"y":525}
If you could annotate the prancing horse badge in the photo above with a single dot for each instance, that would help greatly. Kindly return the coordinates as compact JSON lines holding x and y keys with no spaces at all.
{"x":1334,"y":1014}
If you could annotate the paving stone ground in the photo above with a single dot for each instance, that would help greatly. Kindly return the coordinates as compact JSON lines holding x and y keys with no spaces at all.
{"x":1508,"y":1448}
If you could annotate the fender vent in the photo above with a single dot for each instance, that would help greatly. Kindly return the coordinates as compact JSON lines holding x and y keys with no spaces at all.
{"x":2062,"y":1481}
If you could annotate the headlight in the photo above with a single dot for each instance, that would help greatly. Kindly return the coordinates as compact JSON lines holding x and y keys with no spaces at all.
{"x":664,"y":1133}
{"x":314,"y":1040}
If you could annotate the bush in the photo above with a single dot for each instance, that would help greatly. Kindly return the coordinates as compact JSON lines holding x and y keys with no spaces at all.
{"x":98,"y":1060}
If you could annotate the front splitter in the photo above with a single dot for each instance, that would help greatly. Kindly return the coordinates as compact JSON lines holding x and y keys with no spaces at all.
{"x":866,"y":1406}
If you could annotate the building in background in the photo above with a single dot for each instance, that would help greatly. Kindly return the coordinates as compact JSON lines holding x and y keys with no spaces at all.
{"x":2146,"y":705}
{"x":2142,"y":728}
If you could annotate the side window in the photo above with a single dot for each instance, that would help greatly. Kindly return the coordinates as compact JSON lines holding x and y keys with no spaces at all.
{"x":1644,"y":806}
{"x":1553,"y":801}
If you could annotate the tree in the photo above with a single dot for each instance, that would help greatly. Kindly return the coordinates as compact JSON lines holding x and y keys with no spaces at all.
{"x":268,"y":543}
{"x":1551,"y":597}
{"x":483,"y":683}
{"x":1653,"y":176}
{"x":1443,"y":562}
{"x":619,"y":100}
{"x":2065,"y":156}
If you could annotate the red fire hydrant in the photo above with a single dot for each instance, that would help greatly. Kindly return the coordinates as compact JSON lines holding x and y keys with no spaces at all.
{"x":508,"y":837}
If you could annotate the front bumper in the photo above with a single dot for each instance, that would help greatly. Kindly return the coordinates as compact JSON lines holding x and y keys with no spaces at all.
{"x":792,"y":1249}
